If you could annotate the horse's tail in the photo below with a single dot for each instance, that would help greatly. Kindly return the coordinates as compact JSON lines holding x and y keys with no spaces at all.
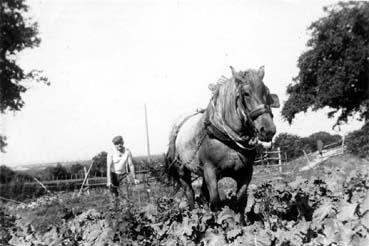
{"x":171,"y":156}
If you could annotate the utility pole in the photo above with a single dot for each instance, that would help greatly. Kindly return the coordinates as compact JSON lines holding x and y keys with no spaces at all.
{"x":147,"y":133}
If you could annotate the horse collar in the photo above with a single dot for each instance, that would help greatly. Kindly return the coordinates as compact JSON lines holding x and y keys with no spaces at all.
{"x":226,"y":134}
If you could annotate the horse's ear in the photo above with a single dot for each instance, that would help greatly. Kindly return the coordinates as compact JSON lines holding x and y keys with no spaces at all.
{"x":273,"y":101}
{"x":261,"y":72}
{"x":234,"y":73}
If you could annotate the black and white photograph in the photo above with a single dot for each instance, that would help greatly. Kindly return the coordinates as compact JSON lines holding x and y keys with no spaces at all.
{"x":184,"y":122}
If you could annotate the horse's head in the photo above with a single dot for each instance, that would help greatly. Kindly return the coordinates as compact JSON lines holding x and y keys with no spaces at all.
{"x":254,"y":102}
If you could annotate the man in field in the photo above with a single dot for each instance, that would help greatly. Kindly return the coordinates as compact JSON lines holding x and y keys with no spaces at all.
{"x":319,"y":144}
{"x":119,"y":165}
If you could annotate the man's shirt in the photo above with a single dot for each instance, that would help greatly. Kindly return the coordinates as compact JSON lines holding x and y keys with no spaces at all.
{"x":119,"y":161}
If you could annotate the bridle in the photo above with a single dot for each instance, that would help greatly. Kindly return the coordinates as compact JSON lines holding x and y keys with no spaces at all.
{"x":249,"y":116}
{"x":224,"y":132}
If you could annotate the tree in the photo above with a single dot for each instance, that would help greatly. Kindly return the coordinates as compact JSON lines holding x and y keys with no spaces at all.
{"x":17,"y":33}
{"x":60,"y":171}
{"x":290,"y":144}
{"x":99,"y":164}
{"x":6,"y":174}
{"x":325,"y":137}
{"x":77,"y":168}
{"x":334,"y":71}
{"x":3,"y":143}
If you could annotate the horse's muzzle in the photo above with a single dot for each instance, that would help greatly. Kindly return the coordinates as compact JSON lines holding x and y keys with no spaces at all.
{"x":266,"y":136}
{"x":265,"y":128}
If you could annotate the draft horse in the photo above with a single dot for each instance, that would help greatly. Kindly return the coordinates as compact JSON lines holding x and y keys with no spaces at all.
{"x":220,"y":141}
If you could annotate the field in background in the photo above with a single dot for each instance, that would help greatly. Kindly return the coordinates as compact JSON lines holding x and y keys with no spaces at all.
{"x":150,"y":170}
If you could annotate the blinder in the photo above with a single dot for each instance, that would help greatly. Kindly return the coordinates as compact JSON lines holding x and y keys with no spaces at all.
{"x":261,"y":109}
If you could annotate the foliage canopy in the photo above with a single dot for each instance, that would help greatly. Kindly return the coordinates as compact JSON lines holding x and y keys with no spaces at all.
{"x":334,"y":71}
{"x":17,"y":32}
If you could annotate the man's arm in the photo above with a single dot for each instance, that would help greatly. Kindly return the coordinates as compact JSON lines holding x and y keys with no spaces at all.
{"x":130,"y":165}
{"x":109,"y":162}
{"x":132,"y":168}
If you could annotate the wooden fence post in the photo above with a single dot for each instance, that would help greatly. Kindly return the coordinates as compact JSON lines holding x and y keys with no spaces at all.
{"x":83,"y":183}
{"x":43,"y":186}
{"x":87,"y":184}
{"x":306,"y":156}
{"x":144,"y":179}
{"x":279,"y":160}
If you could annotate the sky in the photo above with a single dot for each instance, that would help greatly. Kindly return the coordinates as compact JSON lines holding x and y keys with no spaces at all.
{"x":107,"y":59}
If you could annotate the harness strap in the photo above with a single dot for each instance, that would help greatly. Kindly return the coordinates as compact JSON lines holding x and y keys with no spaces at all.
{"x":225,"y":134}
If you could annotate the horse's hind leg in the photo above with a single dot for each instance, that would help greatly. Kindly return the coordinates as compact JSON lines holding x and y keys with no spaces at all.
{"x":185,"y":179}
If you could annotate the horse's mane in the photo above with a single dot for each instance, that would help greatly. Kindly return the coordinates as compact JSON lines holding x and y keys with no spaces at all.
{"x":223,"y":81}
{"x":214,"y":87}
{"x":223,"y":119}
{"x":223,"y":86}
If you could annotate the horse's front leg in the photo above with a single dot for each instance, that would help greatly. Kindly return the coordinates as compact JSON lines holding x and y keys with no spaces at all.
{"x":242,"y":186}
{"x":204,"y":192}
{"x":210,"y":178}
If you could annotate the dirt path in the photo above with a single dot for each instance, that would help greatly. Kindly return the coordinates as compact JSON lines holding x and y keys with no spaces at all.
{"x":318,"y":159}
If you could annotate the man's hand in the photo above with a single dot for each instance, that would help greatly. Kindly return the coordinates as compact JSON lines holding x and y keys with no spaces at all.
{"x":136,"y":181}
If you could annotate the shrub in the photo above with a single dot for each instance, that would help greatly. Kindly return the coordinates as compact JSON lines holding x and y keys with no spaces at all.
{"x":357,"y":142}
{"x":6,"y":174}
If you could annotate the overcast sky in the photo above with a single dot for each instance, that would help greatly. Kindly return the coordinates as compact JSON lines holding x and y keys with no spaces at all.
{"x":106,"y":58}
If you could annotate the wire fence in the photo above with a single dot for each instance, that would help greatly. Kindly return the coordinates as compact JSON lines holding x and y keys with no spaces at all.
{"x":21,"y":190}
{"x":269,"y":158}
